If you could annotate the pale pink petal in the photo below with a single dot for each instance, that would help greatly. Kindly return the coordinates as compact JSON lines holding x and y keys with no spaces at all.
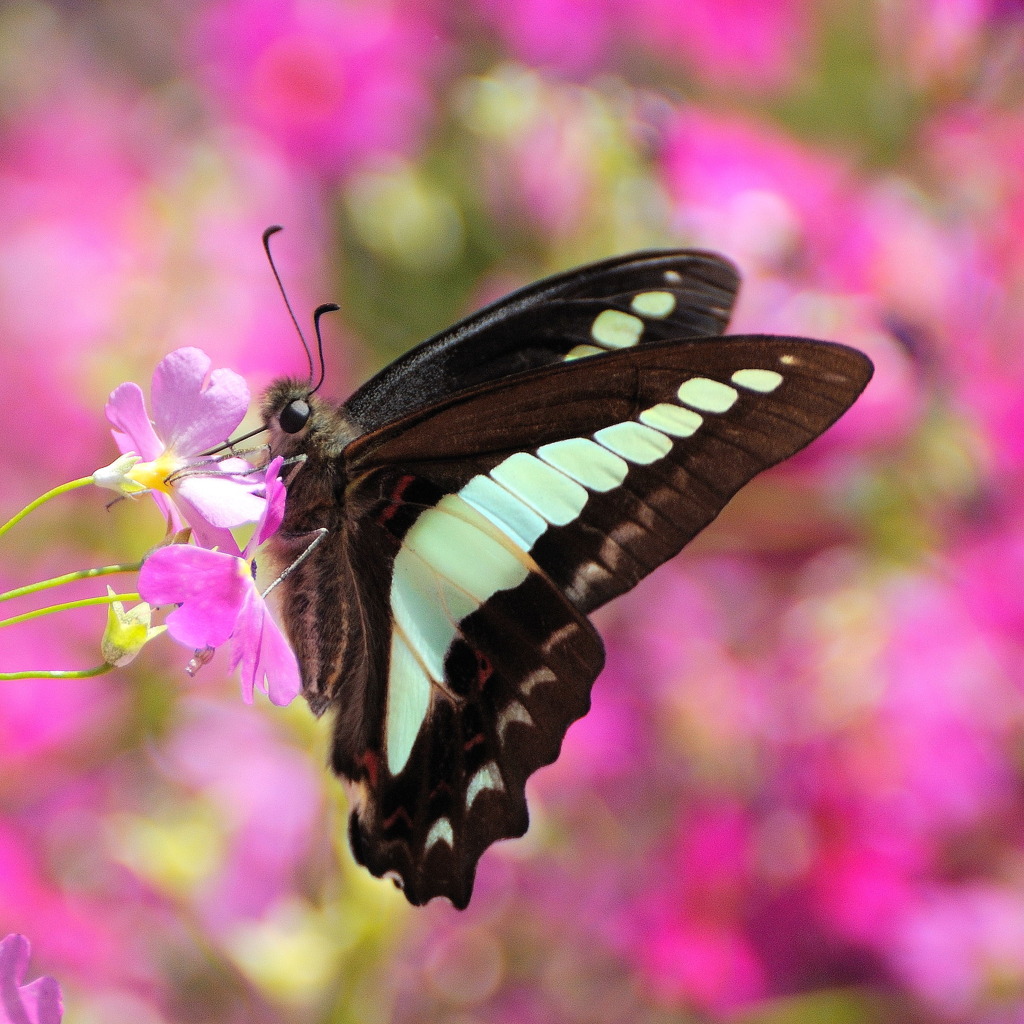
{"x":189,"y":417}
{"x":14,"y":953}
{"x":207,"y":536}
{"x":38,"y":1003}
{"x":176,"y":391}
{"x":126,"y":411}
{"x":239,"y":467}
{"x":206,"y":584}
{"x":42,"y":1001}
{"x":221,"y":501}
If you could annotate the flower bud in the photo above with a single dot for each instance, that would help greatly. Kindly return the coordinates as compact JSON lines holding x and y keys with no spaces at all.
{"x":116,"y":476}
{"x":127,"y":632}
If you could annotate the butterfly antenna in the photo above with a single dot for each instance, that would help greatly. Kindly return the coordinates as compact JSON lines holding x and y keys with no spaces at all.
{"x":327,"y":307}
{"x":217,"y":449}
{"x":273,"y":230}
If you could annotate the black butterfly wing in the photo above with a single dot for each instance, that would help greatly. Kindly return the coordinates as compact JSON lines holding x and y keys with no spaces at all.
{"x":477,"y":690}
{"x":501,"y":516}
{"x":619,"y":302}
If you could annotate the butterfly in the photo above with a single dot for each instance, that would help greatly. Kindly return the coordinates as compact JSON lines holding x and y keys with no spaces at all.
{"x":478,"y":497}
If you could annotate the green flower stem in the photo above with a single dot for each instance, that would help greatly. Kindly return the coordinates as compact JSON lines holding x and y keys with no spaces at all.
{"x":32,"y":506}
{"x":85,"y":603}
{"x":82,"y":673}
{"x":82,"y":574}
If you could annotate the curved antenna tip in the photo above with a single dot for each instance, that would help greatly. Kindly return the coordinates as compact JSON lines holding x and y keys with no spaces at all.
{"x":324,"y":307}
{"x":272,"y":230}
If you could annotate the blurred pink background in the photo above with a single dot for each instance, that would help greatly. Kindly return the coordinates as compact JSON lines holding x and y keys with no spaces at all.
{"x":800,"y":794}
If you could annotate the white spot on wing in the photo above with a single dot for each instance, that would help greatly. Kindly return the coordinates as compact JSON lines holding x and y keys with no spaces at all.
{"x":512,"y":712}
{"x":512,"y":516}
{"x":408,"y":700}
{"x":450,"y":562}
{"x":580,"y":351}
{"x":440,"y":832}
{"x":707,"y":395}
{"x":550,"y":493}
{"x":610,"y":551}
{"x":653,"y":304}
{"x":488,"y":777}
{"x":634,"y":442}
{"x":788,"y":360}
{"x":672,"y":419}
{"x":764,"y":381}
{"x":447,"y":539}
{"x":673,"y":276}
{"x":587,"y":576}
{"x":614,"y":329}
{"x":558,"y":637}
{"x":629,"y":532}
{"x":427,"y":609}
{"x":535,"y":678}
{"x":587,"y":463}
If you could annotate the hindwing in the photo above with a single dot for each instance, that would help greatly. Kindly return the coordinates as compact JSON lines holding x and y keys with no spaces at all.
{"x":488,"y":665}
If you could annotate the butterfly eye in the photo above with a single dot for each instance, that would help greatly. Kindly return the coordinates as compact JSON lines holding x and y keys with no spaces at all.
{"x":294,"y":416}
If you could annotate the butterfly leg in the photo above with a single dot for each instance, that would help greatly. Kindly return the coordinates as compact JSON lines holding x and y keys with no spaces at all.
{"x":317,"y":536}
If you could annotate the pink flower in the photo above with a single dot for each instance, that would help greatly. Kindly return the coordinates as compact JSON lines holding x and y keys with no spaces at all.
{"x":741,"y":187}
{"x":218,"y":601}
{"x":960,"y":949}
{"x":37,"y":1003}
{"x":333,"y":84}
{"x":710,"y":965}
{"x":194,"y":410}
{"x":729,"y":41}
{"x":937,"y":42}
{"x":861,"y":884}
{"x":571,"y":35}
{"x":70,"y":185}
{"x":81,"y":928}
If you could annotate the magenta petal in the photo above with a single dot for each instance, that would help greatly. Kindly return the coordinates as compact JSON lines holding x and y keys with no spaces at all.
{"x":208,"y":585}
{"x":267,"y":661}
{"x":189,"y":416}
{"x":126,"y":411}
{"x":221,"y":500}
{"x":273,"y":513}
{"x":278,"y":662}
{"x":245,"y":644}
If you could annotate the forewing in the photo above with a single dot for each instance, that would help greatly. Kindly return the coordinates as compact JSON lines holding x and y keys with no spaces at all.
{"x":602,"y":470}
{"x":496,"y":520}
{"x":620,"y":302}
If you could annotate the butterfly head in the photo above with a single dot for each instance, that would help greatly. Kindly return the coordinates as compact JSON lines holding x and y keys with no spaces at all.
{"x":300,"y":423}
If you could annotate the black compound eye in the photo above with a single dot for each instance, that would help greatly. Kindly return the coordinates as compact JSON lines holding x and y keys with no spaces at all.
{"x":294,"y":416}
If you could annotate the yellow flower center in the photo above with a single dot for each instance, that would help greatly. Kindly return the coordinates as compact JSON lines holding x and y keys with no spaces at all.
{"x":155,"y":475}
